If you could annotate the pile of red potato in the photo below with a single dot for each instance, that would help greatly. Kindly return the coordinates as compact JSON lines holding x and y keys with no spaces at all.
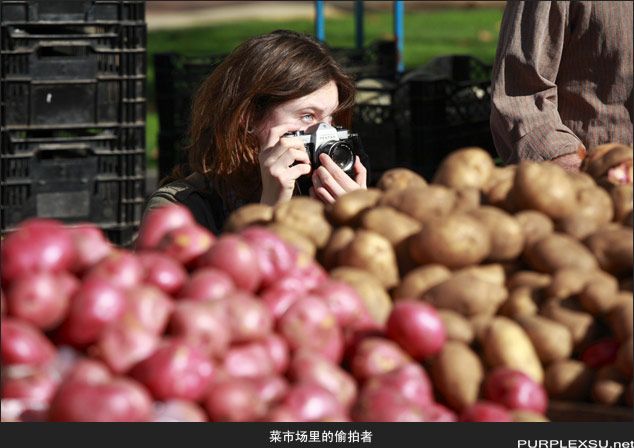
{"x":478,"y":297}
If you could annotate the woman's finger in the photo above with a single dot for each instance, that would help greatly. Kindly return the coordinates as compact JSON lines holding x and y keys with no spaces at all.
{"x":329,"y":182}
{"x":361,"y":173}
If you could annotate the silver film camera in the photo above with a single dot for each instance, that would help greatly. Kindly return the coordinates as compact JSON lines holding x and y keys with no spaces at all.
{"x":341,"y":145}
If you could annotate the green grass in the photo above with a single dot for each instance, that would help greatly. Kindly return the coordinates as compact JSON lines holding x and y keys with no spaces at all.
{"x":427,"y":34}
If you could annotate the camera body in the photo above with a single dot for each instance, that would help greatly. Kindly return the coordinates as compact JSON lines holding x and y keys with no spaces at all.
{"x":342,"y":146}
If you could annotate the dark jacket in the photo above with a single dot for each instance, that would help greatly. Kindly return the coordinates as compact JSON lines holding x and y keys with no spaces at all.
{"x":195,"y":193}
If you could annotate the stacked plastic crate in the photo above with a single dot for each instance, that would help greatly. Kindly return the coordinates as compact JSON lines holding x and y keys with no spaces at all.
{"x":72,"y":113}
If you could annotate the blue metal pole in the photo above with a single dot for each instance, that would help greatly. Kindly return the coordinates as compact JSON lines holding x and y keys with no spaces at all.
{"x":358,"y":23}
{"x":320,"y":23}
{"x":399,"y":33}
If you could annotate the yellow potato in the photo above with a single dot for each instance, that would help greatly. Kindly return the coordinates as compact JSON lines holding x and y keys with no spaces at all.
{"x":531,"y":279}
{"x":421,"y":203}
{"x":505,"y":232}
{"x":457,"y":374}
{"x":389,"y":223}
{"x":559,"y":251}
{"x":582,"y":325}
{"x":613,"y":246}
{"x":248,"y":215}
{"x":294,"y":238}
{"x":467,"y":294}
{"x":421,"y":279}
{"x":349,"y":206}
{"x":400,"y":179}
{"x":535,"y":225}
{"x":457,"y":326}
{"x":552,"y":340}
{"x":506,"y":344}
{"x":306,"y":217}
{"x":609,"y":386}
{"x":522,"y":301}
{"x":456,"y":241}
{"x":568,"y":380}
{"x":374,"y":296}
{"x":544,"y":187}
{"x":373,"y":253}
{"x":339,"y":239}
{"x":465,"y":168}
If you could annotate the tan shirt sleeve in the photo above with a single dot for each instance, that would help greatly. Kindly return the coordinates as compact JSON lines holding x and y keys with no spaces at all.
{"x":525,"y":122}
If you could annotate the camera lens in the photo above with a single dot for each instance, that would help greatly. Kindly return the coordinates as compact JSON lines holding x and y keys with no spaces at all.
{"x":341,"y":153}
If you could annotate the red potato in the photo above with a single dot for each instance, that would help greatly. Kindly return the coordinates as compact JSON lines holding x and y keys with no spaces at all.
{"x":249,"y":319}
{"x":248,"y":361}
{"x":125,"y":343}
{"x":278,"y":350}
{"x":207,"y":284}
{"x":96,"y":304}
{"x":281,"y":414}
{"x":150,"y":307}
{"x":309,"y":324}
{"x":120,"y":268}
{"x":417,"y":327}
{"x":37,"y":245}
{"x":41,"y":298}
{"x":376,"y":356}
{"x":271,"y":389}
{"x":343,"y":300}
{"x":234,"y":400}
{"x":409,"y":381}
{"x":90,"y":245}
{"x":162,"y":271}
{"x":204,"y":324}
{"x":383,"y":405}
{"x":177,"y":370}
{"x":186,"y":243}
{"x":437,"y":413}
{"x":307,"y":272}
{"x":515,"y":390}
{"x":178,"y":411}
{"x":117,"y":400}
{"x":159,"y":221}
{"x":600,"y":353}
{"x":275,"y":257}
{"x":310,"y":367}
{"x":37,"y":387}
{"x":311,"y":402}
{"x":24,"y":344}
{"x":278,"y":299}
{"x":483,"y":411}
{"x":233,"y":255}
{"x":87,"y":370}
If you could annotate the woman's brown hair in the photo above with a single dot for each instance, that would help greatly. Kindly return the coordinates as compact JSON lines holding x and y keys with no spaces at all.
{"x":260,"y":74}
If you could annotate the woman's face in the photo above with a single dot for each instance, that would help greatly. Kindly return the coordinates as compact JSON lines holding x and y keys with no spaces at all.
{"x":299,"y":114}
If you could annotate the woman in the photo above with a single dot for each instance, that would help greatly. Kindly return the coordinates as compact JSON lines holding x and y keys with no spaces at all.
{"x":270,"y":85}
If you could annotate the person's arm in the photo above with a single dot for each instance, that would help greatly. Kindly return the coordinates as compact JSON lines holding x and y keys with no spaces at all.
{"x":525,"y":122}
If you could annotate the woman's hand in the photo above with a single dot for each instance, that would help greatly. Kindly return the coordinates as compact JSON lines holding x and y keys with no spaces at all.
{"x":330,"y":181}
{"x":281,"y":164}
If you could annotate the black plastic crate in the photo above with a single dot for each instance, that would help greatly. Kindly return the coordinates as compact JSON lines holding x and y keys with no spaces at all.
{"x":449,"y":107}
{"x":35,"y":104}
{"x":95,"y":175}
{"x":377,"y":117}
{"x":100,"y":36}
{"x":72,"y":75}
{"x":38,"y":11}
{"x":177,"y":78}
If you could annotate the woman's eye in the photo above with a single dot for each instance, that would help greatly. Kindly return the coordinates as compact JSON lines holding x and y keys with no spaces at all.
{"x":308,"y":118}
